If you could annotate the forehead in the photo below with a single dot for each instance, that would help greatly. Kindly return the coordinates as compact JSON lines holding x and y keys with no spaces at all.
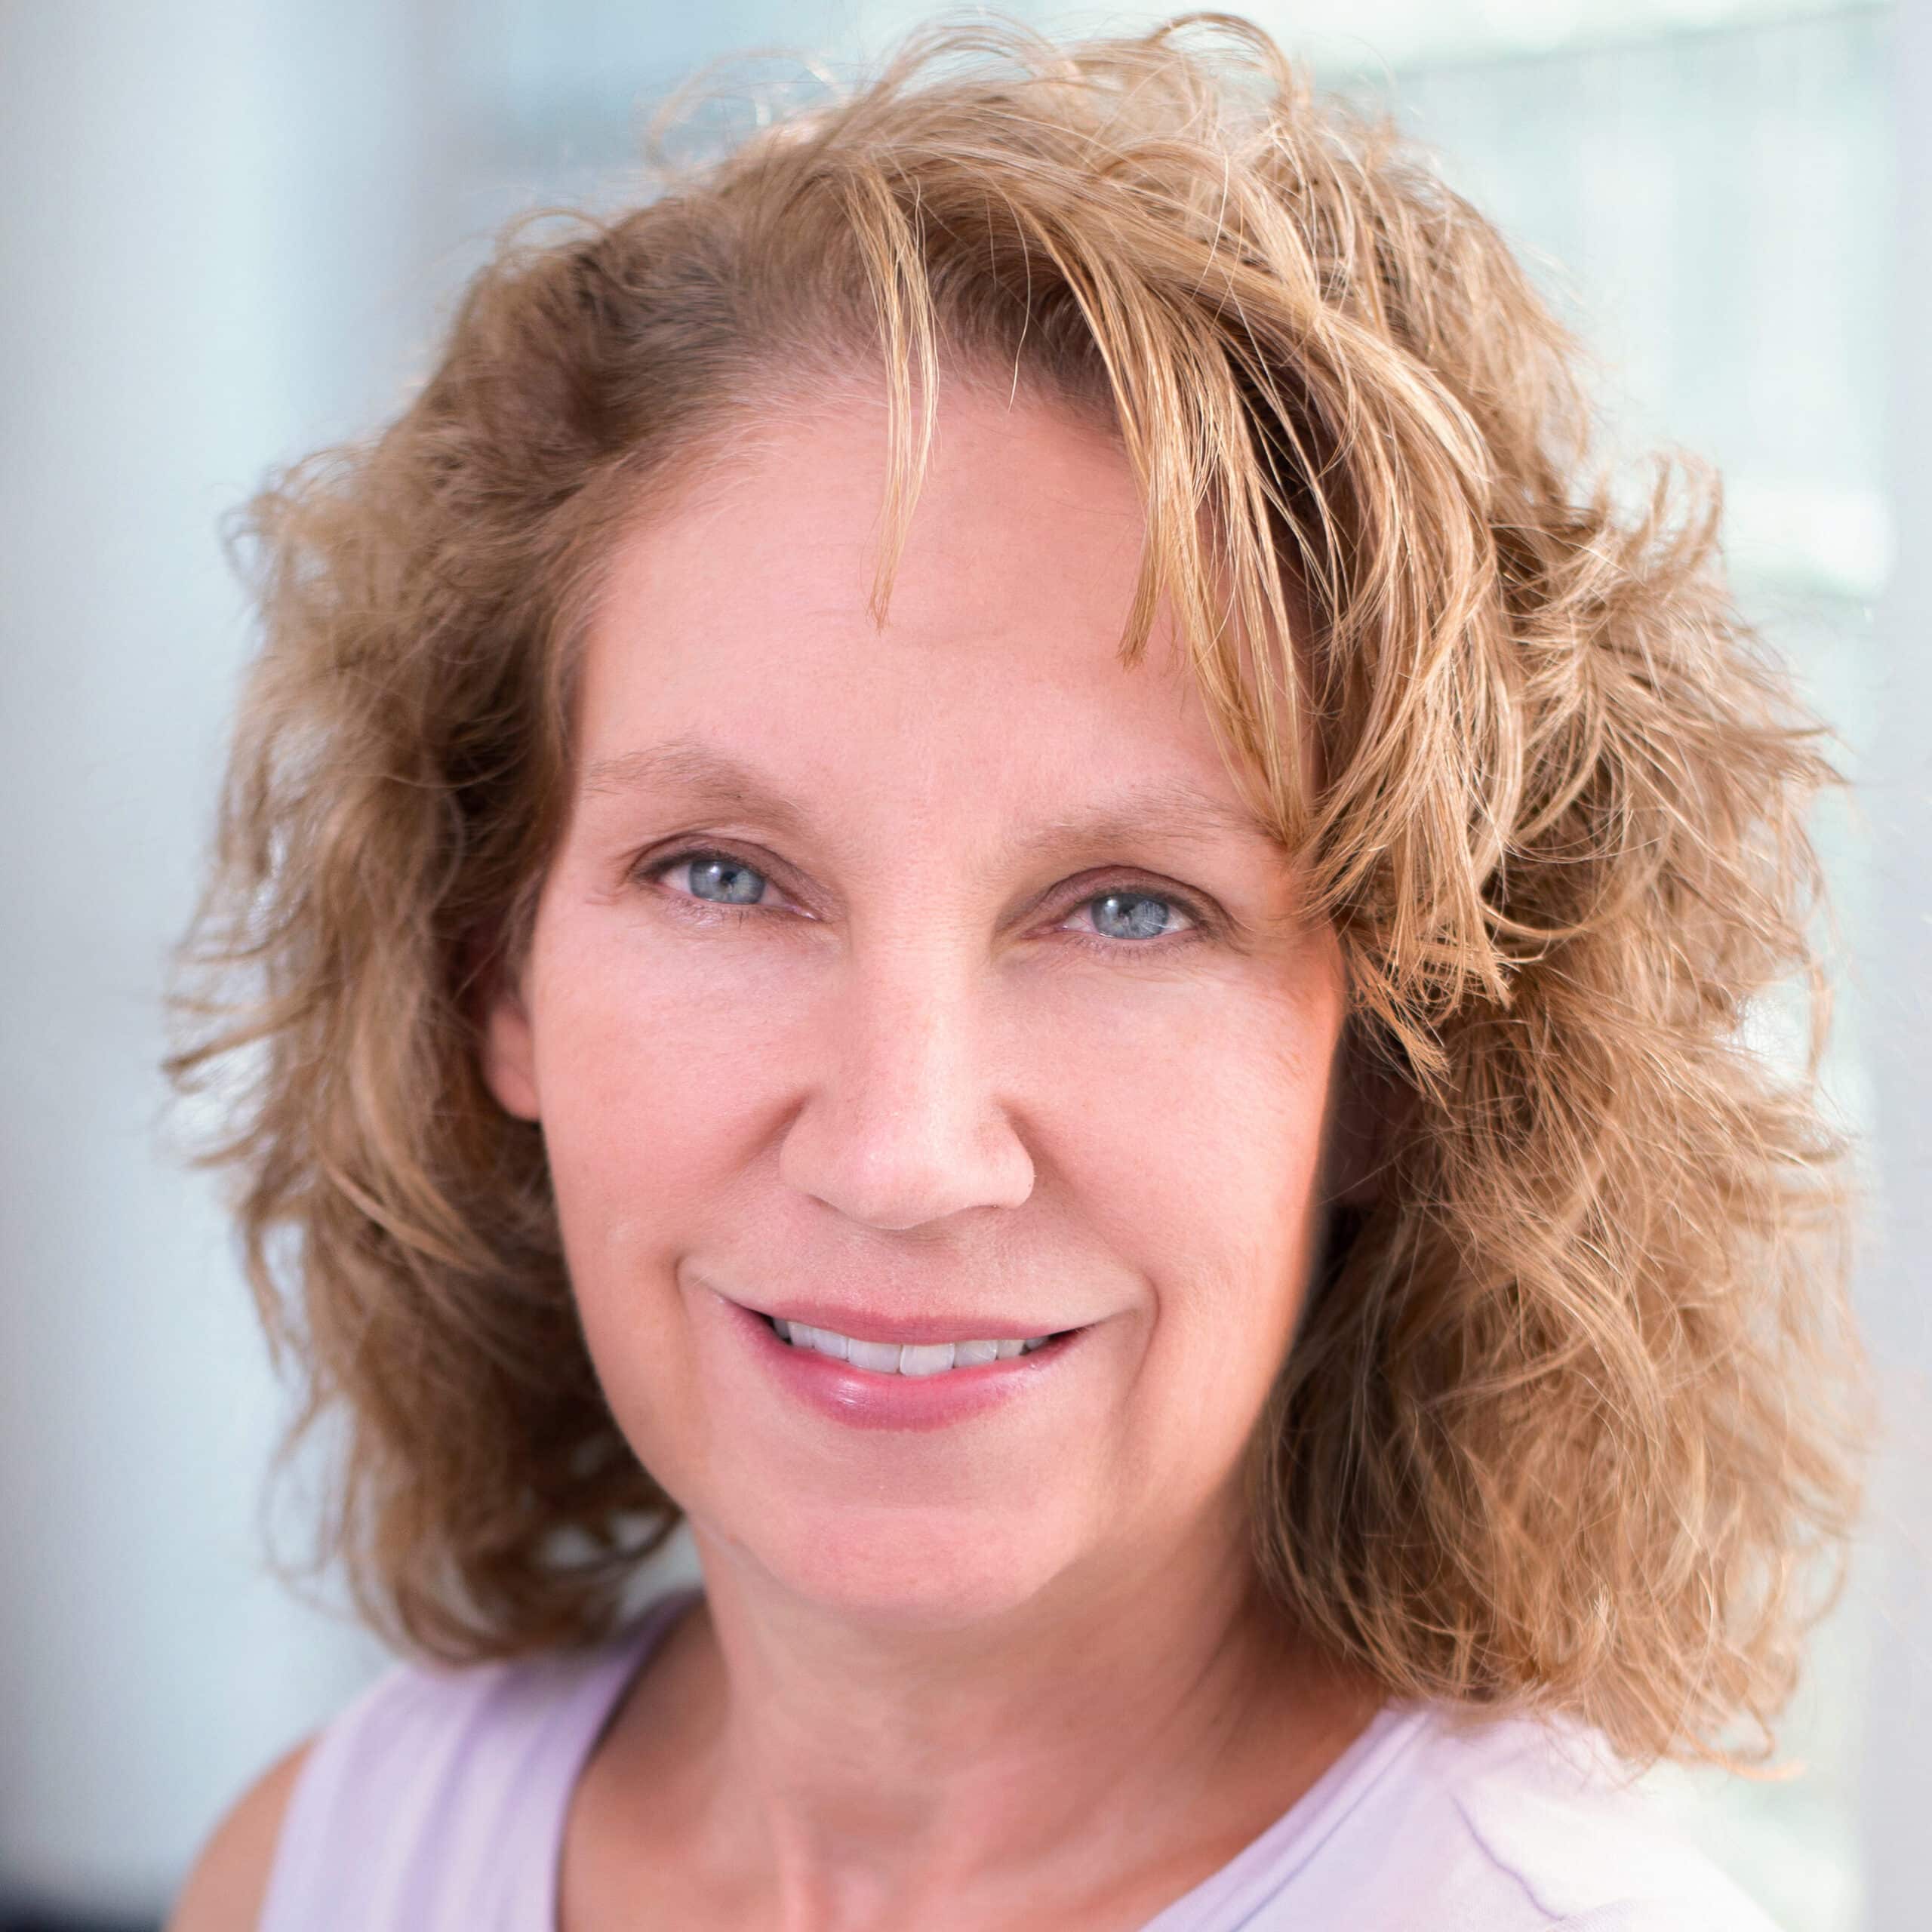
{"x":734,"y":656}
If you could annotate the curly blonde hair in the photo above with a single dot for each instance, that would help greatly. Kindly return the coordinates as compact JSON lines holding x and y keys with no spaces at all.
{"x":1572,"y":1415}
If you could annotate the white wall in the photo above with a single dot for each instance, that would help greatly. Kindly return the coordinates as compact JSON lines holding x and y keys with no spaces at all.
{"x":214,"y":230}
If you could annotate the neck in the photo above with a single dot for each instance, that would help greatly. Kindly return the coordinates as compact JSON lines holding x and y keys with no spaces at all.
{"x":1153,"y":1720}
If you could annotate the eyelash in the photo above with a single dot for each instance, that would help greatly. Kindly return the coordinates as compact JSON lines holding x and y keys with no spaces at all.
{"x":1203,"y":927}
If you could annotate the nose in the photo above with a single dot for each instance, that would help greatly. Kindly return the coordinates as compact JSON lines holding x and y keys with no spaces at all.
{"x":907,"y":1121}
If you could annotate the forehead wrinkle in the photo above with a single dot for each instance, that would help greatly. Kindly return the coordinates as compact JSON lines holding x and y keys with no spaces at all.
{"x":1169,"y":809}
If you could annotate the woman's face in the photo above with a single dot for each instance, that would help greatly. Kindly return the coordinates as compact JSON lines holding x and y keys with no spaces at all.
{"x":951,"y":1024}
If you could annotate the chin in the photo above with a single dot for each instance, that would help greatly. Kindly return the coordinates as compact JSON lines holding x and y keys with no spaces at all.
{"x":938,"y":1569}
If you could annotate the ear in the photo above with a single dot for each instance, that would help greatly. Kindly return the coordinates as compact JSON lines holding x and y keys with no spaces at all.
{"x":507,"y":1046}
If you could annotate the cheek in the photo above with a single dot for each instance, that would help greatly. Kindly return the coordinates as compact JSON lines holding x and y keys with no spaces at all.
{"x":1197,"y":1165}
{"x":652,"y":1080}
{"x":1206,"y":1142}
{"x":634,"y":1065}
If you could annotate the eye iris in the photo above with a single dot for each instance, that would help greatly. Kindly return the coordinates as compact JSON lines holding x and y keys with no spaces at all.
{"x":752,"y":881}
{"x":1146,"y":920}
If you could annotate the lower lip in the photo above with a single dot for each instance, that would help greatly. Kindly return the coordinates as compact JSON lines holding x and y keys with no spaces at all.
{"x":863,"y":1400}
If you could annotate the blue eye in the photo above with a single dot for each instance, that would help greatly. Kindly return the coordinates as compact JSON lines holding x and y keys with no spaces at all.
{"x":1143,"y":916}
{"x":722,"y":880}
{"x":744,"y":883}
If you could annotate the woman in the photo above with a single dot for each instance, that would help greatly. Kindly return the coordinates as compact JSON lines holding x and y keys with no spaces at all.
{"x":978,"y":858}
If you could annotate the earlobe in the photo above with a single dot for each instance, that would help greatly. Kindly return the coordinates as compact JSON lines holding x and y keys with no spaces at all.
{"x":509,"y":1061}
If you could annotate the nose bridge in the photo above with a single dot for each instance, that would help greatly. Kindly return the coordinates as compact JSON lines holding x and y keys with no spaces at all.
{"x":904,"y":1123}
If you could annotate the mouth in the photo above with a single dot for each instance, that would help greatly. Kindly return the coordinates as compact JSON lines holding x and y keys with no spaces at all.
{"x":915,"y":1382}
{"x":910,"y":1359}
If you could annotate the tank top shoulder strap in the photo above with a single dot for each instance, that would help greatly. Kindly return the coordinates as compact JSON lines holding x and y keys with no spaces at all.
{"x":435,"y":1801}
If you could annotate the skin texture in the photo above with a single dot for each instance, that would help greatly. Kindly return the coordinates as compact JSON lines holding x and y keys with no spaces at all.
{"x":1011,"y":1670}
{"x":226,"y":1889}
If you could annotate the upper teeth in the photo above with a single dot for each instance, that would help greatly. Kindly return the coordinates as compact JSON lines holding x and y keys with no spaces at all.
{"x":905,"y":1358}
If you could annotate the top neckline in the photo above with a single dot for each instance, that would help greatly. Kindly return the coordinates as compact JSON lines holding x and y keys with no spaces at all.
{"x":1229,"y":1895}
{"x":602,"y":1692}
{"x":1229,"y":1892}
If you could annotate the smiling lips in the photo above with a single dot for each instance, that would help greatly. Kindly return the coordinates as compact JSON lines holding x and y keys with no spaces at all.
{"x":908,"y":1374}
{"x":864,"y":1337}
{"x":904,"y":1357}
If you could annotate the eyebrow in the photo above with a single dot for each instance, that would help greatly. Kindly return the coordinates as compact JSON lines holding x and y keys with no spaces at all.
{"x":1171,"y":809}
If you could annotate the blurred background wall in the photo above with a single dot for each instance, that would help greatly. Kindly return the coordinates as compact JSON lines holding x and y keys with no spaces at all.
{"x":228,"y":230}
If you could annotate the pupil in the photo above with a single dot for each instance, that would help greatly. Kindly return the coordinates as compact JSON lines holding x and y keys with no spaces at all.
{"x":742,"y":884}
{"x":1146,"y":919}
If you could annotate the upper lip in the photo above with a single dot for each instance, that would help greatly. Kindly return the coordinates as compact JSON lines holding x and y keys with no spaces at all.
{"x":861,"y":1325}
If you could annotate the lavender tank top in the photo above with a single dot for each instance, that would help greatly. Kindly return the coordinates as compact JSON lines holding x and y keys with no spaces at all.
{"x":435,"y":1802}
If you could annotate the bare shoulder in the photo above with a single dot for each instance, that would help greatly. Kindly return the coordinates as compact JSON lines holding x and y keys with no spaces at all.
{"x":229,"y":1882}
